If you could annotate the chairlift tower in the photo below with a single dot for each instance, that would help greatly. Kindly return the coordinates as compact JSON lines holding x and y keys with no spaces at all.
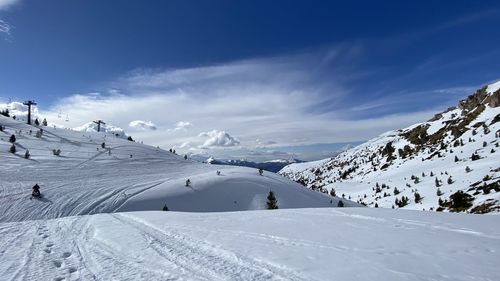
{"x":99,"y":122}
{"x":29,"y":104}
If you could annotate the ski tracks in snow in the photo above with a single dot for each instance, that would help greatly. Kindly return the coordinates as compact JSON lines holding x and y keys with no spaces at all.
{"x":200,"y":260}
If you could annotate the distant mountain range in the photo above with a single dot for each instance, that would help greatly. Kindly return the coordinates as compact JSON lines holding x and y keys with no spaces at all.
{"x":271,"y":166}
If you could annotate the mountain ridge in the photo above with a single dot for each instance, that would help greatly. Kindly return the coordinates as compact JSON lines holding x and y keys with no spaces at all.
{"x":448,"y":163}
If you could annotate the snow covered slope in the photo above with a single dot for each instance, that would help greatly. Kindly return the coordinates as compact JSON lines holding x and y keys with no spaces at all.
{"x":301,"y":244}
{"x":125,"y":176}
{"x":449,"y":163}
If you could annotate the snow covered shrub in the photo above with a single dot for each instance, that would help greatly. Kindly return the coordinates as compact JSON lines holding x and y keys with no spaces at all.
{"x":13,"y":148}
{"x":12,"y":139}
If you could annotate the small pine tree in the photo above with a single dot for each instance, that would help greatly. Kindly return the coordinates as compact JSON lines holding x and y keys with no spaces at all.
{"x":418,"y":197}
{"x":27,"y":154}
{"x":12,"y":139}
{"x":130,"y":138}
{"x":450,"y":180}
{"x":37,"y":123}
{"x":439,"y":192}
{"x":185,"y":157}
{"x":165,"y":208}
{"x":467,"y":169}
{"x":432,"y":174}
{"x":44,"y":122}
{"x":340,"y":204}
{"x":456,"y":158}
{"x":376,"y":205}
{"x":485,"y":144}
{"x":332,"y":192}
{"x":13,"y":148}
{"x":272,"y":202}
{"x":438,"y":184}
{"x":396,"y":191}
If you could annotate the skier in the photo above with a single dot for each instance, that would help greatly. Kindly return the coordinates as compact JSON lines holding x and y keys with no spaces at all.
{"x":36,"y":191}
{"x":188,"y":182}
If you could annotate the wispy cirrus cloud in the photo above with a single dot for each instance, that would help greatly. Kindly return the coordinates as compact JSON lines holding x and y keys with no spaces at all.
{"x":250,"y":107}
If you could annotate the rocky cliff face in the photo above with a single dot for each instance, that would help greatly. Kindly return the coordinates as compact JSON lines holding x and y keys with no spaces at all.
{"x":449,"y":163}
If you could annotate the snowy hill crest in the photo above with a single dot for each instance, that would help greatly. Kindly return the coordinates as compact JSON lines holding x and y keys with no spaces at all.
{"x":449,"y":163}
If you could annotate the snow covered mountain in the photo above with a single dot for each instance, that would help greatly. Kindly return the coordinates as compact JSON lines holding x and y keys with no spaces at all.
{"x":271,"y":166}
{"x":449,"y":163}
{"x":88,"y":172}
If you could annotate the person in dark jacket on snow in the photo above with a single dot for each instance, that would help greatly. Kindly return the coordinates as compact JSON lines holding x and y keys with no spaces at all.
{"x":36,"y":191}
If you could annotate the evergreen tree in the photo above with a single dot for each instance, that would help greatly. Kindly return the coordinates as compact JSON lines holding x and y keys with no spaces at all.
{"x":13,"y":148}
{"x":272,"y":202}
{"x":44,"y":122}
{"x":456,"y":158}
{"x":438,"y":184}
{"x":485,"y":144}
{"x":418,"y":197}
{"x":130,"y":138}
{"x":12,"y":139}
{"x":396,"y":191}
{"x":27,"y":154}
{"x":185,"y":157}
{"x":467,"y":169}
{"x":450,"y":180}
{"x":165,"y":208}
{"x":332,"y":192}
{"x":376,"y":205}
{"x":37,"y":123}
{"x":340,"y":204}
{"x":439,"y":192}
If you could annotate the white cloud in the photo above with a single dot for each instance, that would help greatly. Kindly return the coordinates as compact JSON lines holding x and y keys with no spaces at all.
{"x":4,"y":4}
{"x":5,"y":27}
{"x":142,"y":125}
{"x":218,"y":138}
{"x":181,"y":126}
{"x":279,"y":101}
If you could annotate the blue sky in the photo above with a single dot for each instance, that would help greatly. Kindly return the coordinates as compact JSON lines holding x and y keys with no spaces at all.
{"x":269,"y":74}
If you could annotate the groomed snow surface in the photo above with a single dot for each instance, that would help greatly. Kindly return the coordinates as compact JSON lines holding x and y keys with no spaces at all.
{"x":293,"y":244}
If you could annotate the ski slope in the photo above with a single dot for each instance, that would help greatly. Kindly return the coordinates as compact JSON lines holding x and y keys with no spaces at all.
{"x":292,"y":244}
{"x":125,"y":176}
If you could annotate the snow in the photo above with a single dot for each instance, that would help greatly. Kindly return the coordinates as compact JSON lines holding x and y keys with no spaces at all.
{"x":493,"y":87}
{"x":399,"y":173}
{"x":126,"y":176}
{"x":293,"y":244}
